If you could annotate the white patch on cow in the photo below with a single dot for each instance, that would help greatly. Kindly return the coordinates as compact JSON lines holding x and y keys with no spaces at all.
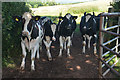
{"x":94,"y":20}
{"x":59,"y":25}
{"x":61,"y":45}
{"x":27,"y":16}
{"x":24,"y":55}
{"x":88,"y":17}
{"x":45,"y":20}
{"x":68,"y":16}
{"x":63,"y":42}
{"x":89,"y":38}
{"x":72,"y":21}
{"x":84,"y":44}
{"x":48,"y":44}
{"x":95,"y":35}
{"x":95,"y":49}
{"x":68,"y":45}
{"x":69,"y":25}
{"x":53,"y":27}
{"x":72,"y":37}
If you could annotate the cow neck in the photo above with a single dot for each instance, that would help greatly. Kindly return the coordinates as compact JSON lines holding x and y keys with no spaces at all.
{"x":29,"y":39}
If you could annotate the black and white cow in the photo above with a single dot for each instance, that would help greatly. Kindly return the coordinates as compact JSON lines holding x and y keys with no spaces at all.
{"x":49,"y":34}
{"x":88,"y":29}
{"x":32,"y":35}
{"x":65,"y":29}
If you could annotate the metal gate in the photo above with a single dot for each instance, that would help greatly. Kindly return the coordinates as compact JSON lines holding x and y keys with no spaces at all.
{"x":104,"y":62}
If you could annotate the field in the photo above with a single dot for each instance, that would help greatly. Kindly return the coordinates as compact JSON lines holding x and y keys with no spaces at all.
{"x":93,"y":6}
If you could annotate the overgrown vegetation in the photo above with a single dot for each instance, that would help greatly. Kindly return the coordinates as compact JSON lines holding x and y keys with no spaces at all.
{"x":11,"y":31}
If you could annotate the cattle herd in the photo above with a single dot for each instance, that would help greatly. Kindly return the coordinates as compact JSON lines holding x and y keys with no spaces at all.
{"x":37,"y":29}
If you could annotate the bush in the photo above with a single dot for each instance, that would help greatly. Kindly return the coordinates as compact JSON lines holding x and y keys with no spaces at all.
{"x":28,"y":5}
{"x":11,"y":31}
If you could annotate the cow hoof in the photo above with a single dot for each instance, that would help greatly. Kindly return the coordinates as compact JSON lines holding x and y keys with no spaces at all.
{"x":70,"y":57}
{"x":59,"y":55}
{"x":64,"y":48}
{"x":83,"y":52}
{"x":50,"y":59}
{"x":22,"y":67}
{"x":38,"y":58}
{"x":95,"y":53}
{"x":88,"y":48}
{"x":32,"y":68}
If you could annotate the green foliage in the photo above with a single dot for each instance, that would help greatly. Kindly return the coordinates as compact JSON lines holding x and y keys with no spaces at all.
{"x":40,"y":3}
{"x":79,"y":10}
{"x":11,"y":30}
{"x":116,"y":6}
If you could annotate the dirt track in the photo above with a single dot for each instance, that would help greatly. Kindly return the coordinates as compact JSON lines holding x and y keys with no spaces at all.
{"x":80,"y":66}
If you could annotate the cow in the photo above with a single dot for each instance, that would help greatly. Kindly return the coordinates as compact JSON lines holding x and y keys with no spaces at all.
{"x":31,"y":36}
{"x":49,"y":34}
{"x":88,"y":29}
{"x":65,"y":28}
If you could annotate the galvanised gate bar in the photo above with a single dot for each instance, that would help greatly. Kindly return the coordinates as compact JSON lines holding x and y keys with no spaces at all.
{"x":103,"y":46}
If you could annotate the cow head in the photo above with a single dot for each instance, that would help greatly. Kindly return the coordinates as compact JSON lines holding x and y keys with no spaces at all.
{"x":89,"y":20}
{"x":68,"y":20}
{"x":53,"y":28}
{"x":28,"y":22}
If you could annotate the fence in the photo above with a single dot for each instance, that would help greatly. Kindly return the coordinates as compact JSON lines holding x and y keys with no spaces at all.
{"x":104,"y":66}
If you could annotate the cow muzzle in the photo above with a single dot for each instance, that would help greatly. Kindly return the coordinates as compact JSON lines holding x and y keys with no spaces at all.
{"x":53,"y":38}
{"x":24,"y":33}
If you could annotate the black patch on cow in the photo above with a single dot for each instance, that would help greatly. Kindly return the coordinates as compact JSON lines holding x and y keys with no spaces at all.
{"x":35,"y":33}
{"x":88,"y":27}
{"x":23,"y":37}
{"x":30,"y":24}
{"x":23,"y":22}
{"x":47,"y":29}
{"x":66,"y":27}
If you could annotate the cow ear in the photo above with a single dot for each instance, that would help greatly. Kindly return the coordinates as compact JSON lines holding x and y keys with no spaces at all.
{"x":60,"y":18}
{"x":75,"y":17}
{"x":84,"y":13}
{"x":36,"y":18}
{"x":17,"y":18}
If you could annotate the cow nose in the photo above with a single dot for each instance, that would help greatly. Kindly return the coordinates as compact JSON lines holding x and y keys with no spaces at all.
{"x":24,"y":33}
{"x":84,"y":27}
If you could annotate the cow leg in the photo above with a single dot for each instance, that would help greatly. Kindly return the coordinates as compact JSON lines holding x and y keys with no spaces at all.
{"x":48,"y":44}
{"x":89,"y":39}
{"x":23,"y":55}
{"x":61,"y":46}
{"x":41,"y":46}
{"x":84,"y":43}
{"x":64,"y":42}
{"x":68,"y":45}
{"x":94,"y":44}
{"x":33,"y":53}
{"x":72,"y":38}
{"x":38,"y":56}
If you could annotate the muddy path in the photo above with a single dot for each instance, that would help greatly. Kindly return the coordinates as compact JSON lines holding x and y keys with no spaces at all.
{"x":79,"y":66}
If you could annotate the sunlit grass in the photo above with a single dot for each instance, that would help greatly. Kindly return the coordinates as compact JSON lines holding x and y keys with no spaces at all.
{"x":82,"y":9}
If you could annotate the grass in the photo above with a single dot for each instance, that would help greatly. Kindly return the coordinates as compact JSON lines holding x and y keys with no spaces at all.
{"x":82,"y":9}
